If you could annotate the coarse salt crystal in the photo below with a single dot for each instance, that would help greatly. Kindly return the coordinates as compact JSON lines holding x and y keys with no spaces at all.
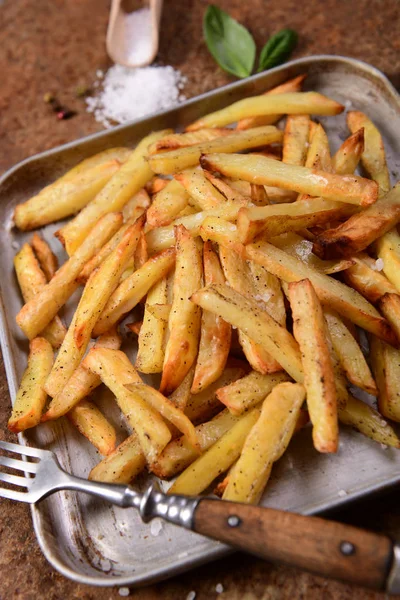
{"x":155,"y":527}
{"x":348,"y":104}
{"x":123,"y":591}
{"x":138,"y":36}
{"x":384,"y":446}
{"x":342,"y":493}
{"x":191,"y":595}
{"x":378,"y":266}
{"x":219,"y":588}
{"x":15,"y":245}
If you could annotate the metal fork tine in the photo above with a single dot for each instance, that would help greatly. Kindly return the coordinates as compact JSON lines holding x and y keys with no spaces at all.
{"x":21,"y":496}
{"x":15,"y":480}
{"x":20,"y":465}
{"x":24,"y":450}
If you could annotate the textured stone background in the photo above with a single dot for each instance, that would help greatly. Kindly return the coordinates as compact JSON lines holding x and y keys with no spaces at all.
{"x":56,"y":45}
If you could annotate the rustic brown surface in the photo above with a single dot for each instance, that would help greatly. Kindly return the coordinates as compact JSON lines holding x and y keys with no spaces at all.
{"x":56,"y":45}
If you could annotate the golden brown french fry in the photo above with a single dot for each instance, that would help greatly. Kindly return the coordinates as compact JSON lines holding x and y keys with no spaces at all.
{"x":129,"y":293}
{"x":300,"y":103}
{"x":254,"y":168}
{"x":215,"y":335}
{"x":155,"y":185}
{"x":122,"y":465}
{"x":348,"y":156}
{"x":185,"y":317}
{"x":130,"y":178}
{"x":97,"y":291}
{"x":361,"y":229}
{"x":265,"y":443}
{"x":121,"y":154}
{"x":151,"y":341}
{"x":173,"y":141}
{"x":31,"y":397}
{"x":295,"y":139}
{"x":310,"y":331}
{"x":388,"y":249}
{"x":180,"y":453}
{"x":373,"y":158}
{"x":367,"y":281}
{"x":389,"y":305}
{"x":82,"y":382}
{"x":245,"y":313}
{"x":174,"y":161}
{"x":32,"y":280}
{"x":292,"y":85}
{"x":318,"y":155}
{"x":217,"y":459}
{"x":229,"y":191}
{"x":349,"y":353}
{"x":368,"y":421}
{"x":140,"y":256}
{"x":91,"y":423}
{"x":346,"y":301}
{"x":167,"y":204}
{"x":258,"y":195}
{"x":116,"y":372}
{"x":385,"y":363}
{"x":47,"y":259}
{"x":202,"y":193}
{"x":220,"y":231}
{"x":248,"y":391}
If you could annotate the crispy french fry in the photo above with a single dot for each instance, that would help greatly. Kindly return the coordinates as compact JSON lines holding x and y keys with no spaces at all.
{"x":151,"y":341}
{"x":217,"y":459}
{"x":230,"y":192}
{"x":185,"y":317}
{"x":346,"y":301}
{"x":116,"y":372}
{"x":173,"y":141}
{"x":295,"y":139}
{"x":202,"y":193}
{"x":350,"y":189}
{"x":91,"y":423}
{"x":310,"y":331}
{"x":367,"y":281}
{"x":137,"y":205}
{"x":167,"y":204}
{"x":318,"y":155}
{"x":140,"y":256}
{"x":31,"y":397}
{"x":255,"y":322}
{"x":122,"y":465}
{"x":385,"y":362}
{"x":388,"y":249}
{"x":258,"y":195}
{"x":373,"y":158}
{"x":43,"y":307}
{"x":121,"y":154}
{"x":361,"y":229}
{"x":349,"y":353}
{"x":389,"y":305}
{"x":130,"y":178}
{"x":215,"y":335}
{"x":156,"y":184}
{"x":81,"y":383}
{"x":181,"y":395}
{"x":241,"y":395}
{"x":303,"y":103}
{"x":348,"y":156}
{"x":32,"y":280}
{"x":47,"y":259}
{"x":97,"y":291}
{"x":174,"y":161}
{"x":368,"y":421}
{"x":129,"y":293}
{"x":265,"y":443}
{"x":223,"y":233}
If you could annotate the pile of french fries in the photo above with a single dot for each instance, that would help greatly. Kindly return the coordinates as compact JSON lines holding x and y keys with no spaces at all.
{"x":256,"y":264}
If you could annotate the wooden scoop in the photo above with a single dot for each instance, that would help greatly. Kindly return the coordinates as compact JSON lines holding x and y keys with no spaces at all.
{"x":132,"y":36}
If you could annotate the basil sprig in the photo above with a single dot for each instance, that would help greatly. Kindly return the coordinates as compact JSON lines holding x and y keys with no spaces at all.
{"x":233,"y":47}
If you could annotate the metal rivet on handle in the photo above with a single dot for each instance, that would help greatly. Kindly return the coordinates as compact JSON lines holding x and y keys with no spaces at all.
{"x":234,"y":521}
{"x":347,"y":548}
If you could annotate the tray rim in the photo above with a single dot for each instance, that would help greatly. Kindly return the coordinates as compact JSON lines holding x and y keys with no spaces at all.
{"x":219,"y":550}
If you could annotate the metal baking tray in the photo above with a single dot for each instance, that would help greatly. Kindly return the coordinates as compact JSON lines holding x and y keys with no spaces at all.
{"x":91,"y":542}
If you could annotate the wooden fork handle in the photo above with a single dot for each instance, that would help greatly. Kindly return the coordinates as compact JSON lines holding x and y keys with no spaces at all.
{"x":323,"y":547}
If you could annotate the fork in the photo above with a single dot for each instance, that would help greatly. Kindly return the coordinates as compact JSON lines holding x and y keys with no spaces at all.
{"x":323,"y":547}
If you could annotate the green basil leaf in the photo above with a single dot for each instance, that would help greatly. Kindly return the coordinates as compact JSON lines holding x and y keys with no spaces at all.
{"x":231,"y":45}
{"x":278,"y":49}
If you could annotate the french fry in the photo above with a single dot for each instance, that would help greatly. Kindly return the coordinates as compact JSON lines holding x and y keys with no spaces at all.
{"x":368,"y":421}
{"x":137,"y":205}
{"x":180,"y":453}
{"x":31,"y":397}
{"x":303,"y":103}
{"x":185,"y":317}
{"x":140,"y":256}
{"x":97,"y":291}
{"x":318,"y":155}
{"x":221,"y":232}
{"x":388,"y":249}
{"x":389,"y":305}
{"x":116,"y":372}
{"x":167,"y":204}
{"x":241,"y":395}
{"x":129,"y":293}
{"x":349,"y":353}
{"x":122,"y":465}
{"x":174,"y":161}
{"x":156,"y":184}
{"x":348,"y":156}
{"x":332,"y":293}
{"x":47,"y":259}
{"x":230,"y":192}
{"x":292,"y":85}
{"x":350,"y":189}
{"x":181,"y":395}
{"x":367,"y":281}
{"x":91,"y":423}
{"x":385,"y":362}
{"x":258,"y":195}
{"x":130,"y":178}
{"x":361,"y":229}
{"x":310,"y":331}
{"x":135,"y":327}
{"x":151,"y":341}
{"x":81,"y":383}
{"x":43,"y":307}
{"x":32,"y":280}
{"x":202,"y":193}
{"x":173,"y":141}
{"x":373,"y":158}
{"x":215,"y":334}
{"x":265,"y":443}
{"x":295,"y":139}
{"x":244,"y":313}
